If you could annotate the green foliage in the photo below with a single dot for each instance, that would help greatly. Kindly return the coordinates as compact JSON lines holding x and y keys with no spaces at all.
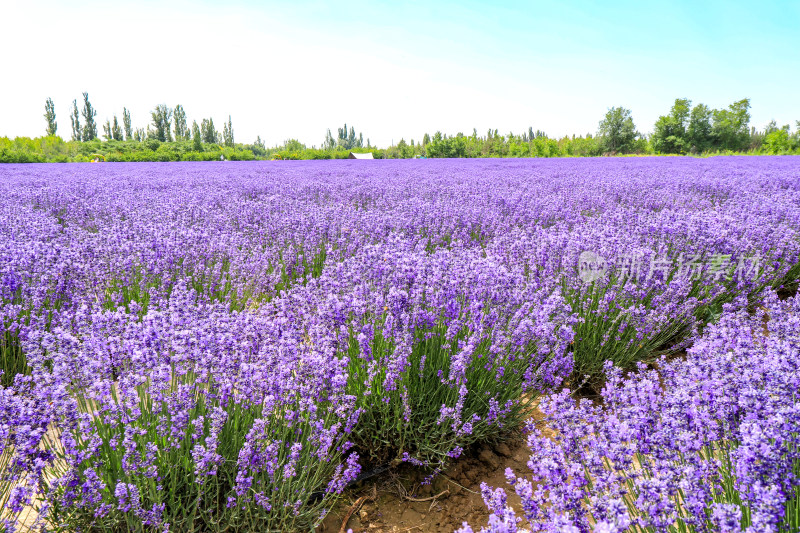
{"x":405,"y":150}
{"x":50,"y":117}
{"x":685,"y":130}
{"x":346,"y":140}
{"x":38,"y":150}
{"x":293,"y":145}
{"x":181,"y":129}
{"x":670,"y":136}
{"x":77,"y":133}
{"x":162,"y":119}
{"x":126,"y":123}
{"x":197,"y":141}
{"x":617,"y":131}
{"x":730,"y":126}
{"x":258,"y":148}
{"x":116,"y":131}
{"x":329,"y":143}
{"x":12,"y":359}
{"x":778,"y":141}
{"x":227,"y":132}
{"x":699,"y":133}
{"x":89,"y":125}
{"x":208,"y":132}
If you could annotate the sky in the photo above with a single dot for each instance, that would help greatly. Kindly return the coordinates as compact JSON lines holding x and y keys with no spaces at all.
{"x":395,"y":70}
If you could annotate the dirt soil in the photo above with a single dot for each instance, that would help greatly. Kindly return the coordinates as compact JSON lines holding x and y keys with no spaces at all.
{"x":397,"y":501}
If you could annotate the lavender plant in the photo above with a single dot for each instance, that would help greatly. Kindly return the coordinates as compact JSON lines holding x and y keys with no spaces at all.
{"x":168,"y":451}
{"x":426,"y":399}
{"x":705,"y":444}
{"x":148,"y":426}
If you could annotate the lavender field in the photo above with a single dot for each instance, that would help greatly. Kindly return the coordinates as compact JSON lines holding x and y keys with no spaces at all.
{"x":228,"y":346}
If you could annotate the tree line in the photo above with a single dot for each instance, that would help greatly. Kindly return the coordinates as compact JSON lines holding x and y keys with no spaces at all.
{"x":167,"y":125}
{"x":685,"y":129}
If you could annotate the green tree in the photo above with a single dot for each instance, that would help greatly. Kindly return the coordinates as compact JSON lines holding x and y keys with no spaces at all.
{"x":796,"y":136}
{"x":50,"y":117}
{"x":208,"y":131}
{"x":126,"y":123}
{"x":197,"y":141}
{"x":329,"y":143}
{"x":181,"y":130}
{"x":617,"y":130}
{"x":227,"y":132}
{"x":770,"y":127}
{"x":260,"y":146}
{"x":670,"y":135}
{"x":293,"y":145}
{"x":89,"y":124}
{"x":426,"y":139}
{"x":107,"y":130}
{"x":405,"y":151}
{"x":116,"y":131}
{"x":75,"y":119}
{"x":730,"y":129}
{"x":341,"y":139}
{"x":162,"y":118}
{"x":698,"y":133}
{"x":777,"y":140}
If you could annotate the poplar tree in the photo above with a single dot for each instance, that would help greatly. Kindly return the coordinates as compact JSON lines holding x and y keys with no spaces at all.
{"x":50,"y":117}
{"x":208,"y":131}
{"x":116,"y":131}
{"x":330,"y":142}
{"x":162,"y":118}
{"x":126,"y":123}
{"x":89,"y":124}
{"x":77,"y":134}
{"x":197,"y":143}
{"x":227,"y":132}
{"x":181,"y":130}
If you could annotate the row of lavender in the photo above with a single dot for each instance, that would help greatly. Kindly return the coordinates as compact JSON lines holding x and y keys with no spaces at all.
{"x":709,"y":443}
{"x":225,"y":347}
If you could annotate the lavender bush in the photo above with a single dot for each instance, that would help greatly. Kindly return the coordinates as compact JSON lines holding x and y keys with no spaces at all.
{"x":709,"y":443}
{"x":148,"y":424}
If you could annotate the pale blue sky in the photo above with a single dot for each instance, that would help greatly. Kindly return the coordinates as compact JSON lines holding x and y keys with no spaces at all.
{"x":293,"y":69}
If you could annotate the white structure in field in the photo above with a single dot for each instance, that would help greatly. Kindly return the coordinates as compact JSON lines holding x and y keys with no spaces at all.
{"x":353,"y":155}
